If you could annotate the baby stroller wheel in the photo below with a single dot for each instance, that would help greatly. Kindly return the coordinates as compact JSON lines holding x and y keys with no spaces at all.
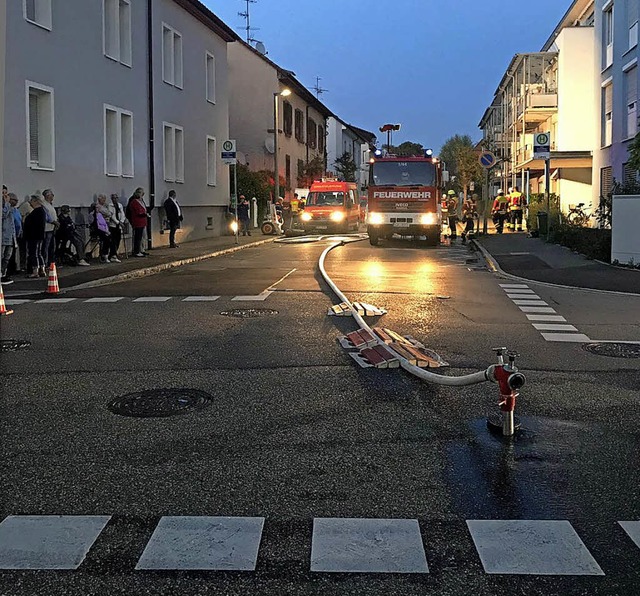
{"x":268,"y":228}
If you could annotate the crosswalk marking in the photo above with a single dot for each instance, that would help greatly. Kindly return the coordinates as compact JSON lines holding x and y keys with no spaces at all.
{"x":537,"y":302}
{"x":153,"y":299}
{"x":632,"y":528}
{"x":516,"y":286}
{"x":345,"y":545}
{"x":259,"y":298}
{"x":16,"y":302}
{"x":531,"y":547}
{"x":515,"y":293}
{"x":200,"y":298}
{"x":48,"y":541}
{"x":538,"y":309}
{"x":567,"y":337}
{"x":550,"y":318}
{"x":190,"y":543}
{"x":55,"y":300}
{"x":106,"y":300}
{"x":553,"y":327}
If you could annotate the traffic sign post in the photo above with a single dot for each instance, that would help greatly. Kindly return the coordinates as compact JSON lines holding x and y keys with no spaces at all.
{"x":487,"y":160}
{"x":228,"y":155}
{"x":542,"y":145}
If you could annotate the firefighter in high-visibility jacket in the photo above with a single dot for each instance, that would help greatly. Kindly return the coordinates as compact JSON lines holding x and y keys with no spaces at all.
{"x":508,"y":222}
{"x":516,"y":207}
{"x":500,"y":211}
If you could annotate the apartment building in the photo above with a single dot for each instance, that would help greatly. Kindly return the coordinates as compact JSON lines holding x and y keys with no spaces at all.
{"x":255,"y":84}
{"x":616,"y":73}
{"x":548,"y":91}
{"x":3,"y":44}
{"x":343,"y":138}
{"x":103,"y":96}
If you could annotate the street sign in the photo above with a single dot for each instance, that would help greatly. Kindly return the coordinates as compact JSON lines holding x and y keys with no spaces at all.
{"x":542,"y":145}
{"x":228,"y":153}
{"x":487,"y":159}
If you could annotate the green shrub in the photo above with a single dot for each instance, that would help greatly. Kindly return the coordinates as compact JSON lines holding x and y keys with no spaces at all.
{"x":594,"y":243}
{"x":537,"y":203}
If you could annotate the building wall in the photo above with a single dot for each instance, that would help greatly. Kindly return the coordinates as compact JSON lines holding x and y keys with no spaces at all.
{"x":80,"y":92}
{"x":252,"y":83}
{"x":204,"y":204}
{"x":334,"y":142}
{"x":3,"y":39}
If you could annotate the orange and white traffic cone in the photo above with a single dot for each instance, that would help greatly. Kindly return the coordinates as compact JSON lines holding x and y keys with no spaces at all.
{"x":52,"y":284}
{"x":3,"y":308}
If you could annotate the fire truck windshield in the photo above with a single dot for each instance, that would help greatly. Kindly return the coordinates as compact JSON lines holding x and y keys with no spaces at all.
{"x":325,"y":198}
{"x":402,"y":173}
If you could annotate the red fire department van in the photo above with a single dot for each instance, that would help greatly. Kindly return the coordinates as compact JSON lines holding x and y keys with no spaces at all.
{"x":331,"y":206}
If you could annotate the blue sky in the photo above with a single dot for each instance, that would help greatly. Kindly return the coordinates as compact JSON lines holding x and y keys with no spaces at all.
{"x":430,"y":65}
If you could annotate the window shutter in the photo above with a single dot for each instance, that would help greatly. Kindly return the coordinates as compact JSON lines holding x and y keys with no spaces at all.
{"x":34,"y":133}
{"x":631,"y":77}
{"x":608,"y":99}
{"x":31,"y":10}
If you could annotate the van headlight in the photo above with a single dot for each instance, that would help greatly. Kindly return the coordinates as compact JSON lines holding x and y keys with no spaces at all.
{"x":428,"y":219}
{"x":306,"y":216}
{"x":375,"y":219}
{"x":337,"y":216}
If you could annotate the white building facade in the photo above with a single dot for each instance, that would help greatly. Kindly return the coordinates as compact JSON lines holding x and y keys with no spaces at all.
{"x":79,"y":101}
{"x":342,"y":139}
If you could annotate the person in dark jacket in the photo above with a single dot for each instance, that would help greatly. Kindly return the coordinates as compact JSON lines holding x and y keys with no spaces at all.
{"x":34,"y":233}
{"x":138,"y":217}
{"x":173,"y":212}
{"x":243,"y":215}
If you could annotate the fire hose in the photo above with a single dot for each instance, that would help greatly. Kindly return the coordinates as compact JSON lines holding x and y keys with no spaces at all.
{"x":507,"y":377}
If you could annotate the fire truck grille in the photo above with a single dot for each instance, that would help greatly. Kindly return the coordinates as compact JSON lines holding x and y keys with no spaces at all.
{"x":402,"y":220}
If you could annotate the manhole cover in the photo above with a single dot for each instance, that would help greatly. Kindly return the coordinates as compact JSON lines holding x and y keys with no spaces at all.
{"x":159,"y":403}
{"x":13,"y":345}
{"x":614,"y":350}
{"x":249,"y":313}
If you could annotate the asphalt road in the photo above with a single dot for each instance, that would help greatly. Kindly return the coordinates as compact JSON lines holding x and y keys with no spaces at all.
{"x":296,"y":435}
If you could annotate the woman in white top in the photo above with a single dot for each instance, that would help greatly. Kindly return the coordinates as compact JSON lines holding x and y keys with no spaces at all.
{"x":116,"y":222}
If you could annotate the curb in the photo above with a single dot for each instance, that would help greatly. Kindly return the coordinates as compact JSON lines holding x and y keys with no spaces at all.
{"x":495,"y":267}
{"x":152,"y":270}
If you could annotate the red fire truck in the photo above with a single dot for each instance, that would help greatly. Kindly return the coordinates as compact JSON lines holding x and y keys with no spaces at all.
{"x":403,"y":198}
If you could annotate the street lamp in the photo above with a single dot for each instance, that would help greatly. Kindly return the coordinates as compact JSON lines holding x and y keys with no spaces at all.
{"x":283,"y":93}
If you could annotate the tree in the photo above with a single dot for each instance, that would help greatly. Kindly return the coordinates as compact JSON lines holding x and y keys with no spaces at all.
{"x":346,"y":167}
{"x":460,"y":156}
{"x":406,"y":149}
{"x":311,"y":171}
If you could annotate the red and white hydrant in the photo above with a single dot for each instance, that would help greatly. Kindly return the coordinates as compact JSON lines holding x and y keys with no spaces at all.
{"x":509,"y":381}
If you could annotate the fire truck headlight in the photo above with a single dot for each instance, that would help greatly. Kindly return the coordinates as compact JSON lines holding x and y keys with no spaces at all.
{"x":375,"y":219}
{"x":428,"y":219}
{"x":306,"y":216}
{"x":337,"y":216}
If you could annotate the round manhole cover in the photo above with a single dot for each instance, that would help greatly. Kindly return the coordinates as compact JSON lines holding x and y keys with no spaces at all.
{"x":614,"y":349}
{"x":249,"y":313}
{"x":159,"y":403}
{"x":13,"y":345}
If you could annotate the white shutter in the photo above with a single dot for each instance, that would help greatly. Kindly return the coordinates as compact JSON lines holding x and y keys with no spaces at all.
{"x":30,"y":10}
{"x":34,"y":129}
{"x":126,"y":136}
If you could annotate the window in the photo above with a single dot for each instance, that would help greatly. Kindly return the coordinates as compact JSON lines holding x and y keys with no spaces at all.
{"x":632,"y":20}
{"x":299,"y":126}
{"x":287,"y":170}
{"x":321,"y":137}
{"x":629,"y":174}
{"x":40,"y":127}
{"x":606,"y":181}
{"x":607,"y":32}
{"x":212,"y":169}
{"x":607,"y":115}
{"x":211,"y":77}
{"x":631,"y":101}
{"x":117,"y":30}
{"x":171,"y":56}
{"x":38,"y":12}
{"x":118,"y":142}
{"x":311,"y":133}
{"x":173,"y":152}
{"x":287,"y":118}
{"x":300,"y":171}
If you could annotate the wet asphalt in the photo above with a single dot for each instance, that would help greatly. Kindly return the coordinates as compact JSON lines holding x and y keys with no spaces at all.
{"x":296,"y":431}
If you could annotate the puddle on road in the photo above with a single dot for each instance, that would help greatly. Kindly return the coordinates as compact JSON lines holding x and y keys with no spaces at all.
{"x":552,"y":469}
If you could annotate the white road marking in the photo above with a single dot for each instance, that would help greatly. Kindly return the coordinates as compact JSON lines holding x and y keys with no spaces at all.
{"x":200,"y":298}
{"x":344,"y":545}
{"x":15,"y":302}
{"x":106,"y":300}
{"x":578,"y":338}
{"x":531,"y":547}
{"x":153,"y":299}
{"x":48,"y":541}
{"x":259,"y":298}
{"x":516,"y":293}
{"x":553,"y":327}
{"x":55,"y":301}
{"x":532,"y":302}
{"x":632,"y":528}
{"x":538,"y":309}
{"x":550,"y":318}
{"x":514,"y":286}
{"x":272,"y":287}
{"x":204,"y":544}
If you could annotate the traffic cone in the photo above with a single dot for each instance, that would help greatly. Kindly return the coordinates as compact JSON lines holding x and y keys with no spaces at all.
{"x":3,"y":308}
{"x":52,"y":284}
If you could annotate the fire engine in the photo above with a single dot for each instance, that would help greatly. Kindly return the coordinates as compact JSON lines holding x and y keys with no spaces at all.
{"x":403,"y":198}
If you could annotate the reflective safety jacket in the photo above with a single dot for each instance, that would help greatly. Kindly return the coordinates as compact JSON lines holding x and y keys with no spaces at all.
{"x":517,"y":201}
{"x":501,"y":204}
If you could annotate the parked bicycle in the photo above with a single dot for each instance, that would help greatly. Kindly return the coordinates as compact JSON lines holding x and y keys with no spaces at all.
{"x":577,"y":216}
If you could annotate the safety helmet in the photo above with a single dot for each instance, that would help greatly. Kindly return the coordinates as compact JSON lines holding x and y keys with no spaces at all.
{"x":510,"y":189}
{"x":451,"y":192}
{"x":500,"y":192}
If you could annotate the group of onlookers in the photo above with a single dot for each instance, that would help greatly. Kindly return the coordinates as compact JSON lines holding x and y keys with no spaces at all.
{"x":34,"y":235}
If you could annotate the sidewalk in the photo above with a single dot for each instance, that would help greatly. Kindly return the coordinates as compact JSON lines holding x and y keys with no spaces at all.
{"x":534,"y":259}
{"x":158,"y":259}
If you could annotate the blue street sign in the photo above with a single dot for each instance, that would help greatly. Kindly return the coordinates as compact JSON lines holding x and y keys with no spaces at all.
{"x":487,"y":159}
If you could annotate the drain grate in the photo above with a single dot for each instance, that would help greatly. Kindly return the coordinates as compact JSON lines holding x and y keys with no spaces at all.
{"x":249,"y":313}
{"x":614,"y":349}
{"x":159,"y":403}
{"x":13,"y":345}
